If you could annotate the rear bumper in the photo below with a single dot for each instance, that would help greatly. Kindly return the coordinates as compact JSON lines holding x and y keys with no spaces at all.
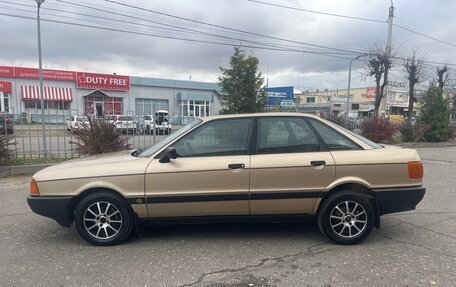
{"x":55,"y":207}
{"x":391,"y":200}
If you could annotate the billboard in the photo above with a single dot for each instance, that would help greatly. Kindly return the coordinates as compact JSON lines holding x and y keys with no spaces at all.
{"x":278,"y":94}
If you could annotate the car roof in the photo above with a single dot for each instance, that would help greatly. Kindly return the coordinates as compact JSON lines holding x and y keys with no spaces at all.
{"x":267,"y":114}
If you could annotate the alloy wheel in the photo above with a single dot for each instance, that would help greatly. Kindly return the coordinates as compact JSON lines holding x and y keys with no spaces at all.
{"x":348,"y":219}
{"x":102,"y":220}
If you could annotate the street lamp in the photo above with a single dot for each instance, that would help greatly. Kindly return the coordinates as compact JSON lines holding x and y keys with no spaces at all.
{"x":38,"y":3}
{"x":349,"y":82}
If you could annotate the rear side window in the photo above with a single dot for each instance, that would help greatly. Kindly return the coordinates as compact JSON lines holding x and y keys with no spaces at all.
{"x":285,"y":135}
{"x":333,"y":139}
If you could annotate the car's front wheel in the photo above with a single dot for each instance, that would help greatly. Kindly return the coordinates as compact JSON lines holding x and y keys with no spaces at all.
{"x":346,"y":217}
{"x":103,"y":218}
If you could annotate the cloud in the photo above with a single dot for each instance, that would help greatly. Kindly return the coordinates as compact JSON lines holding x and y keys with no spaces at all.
{"x":79,"y":48}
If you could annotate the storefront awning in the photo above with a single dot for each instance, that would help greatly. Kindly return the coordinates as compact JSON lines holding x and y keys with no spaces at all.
{"x":32,"y":93}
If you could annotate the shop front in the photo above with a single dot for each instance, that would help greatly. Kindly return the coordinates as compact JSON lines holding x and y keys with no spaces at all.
{"x":5,"y":96}
{"x":99,"y":104}
{"x":194,"y":105}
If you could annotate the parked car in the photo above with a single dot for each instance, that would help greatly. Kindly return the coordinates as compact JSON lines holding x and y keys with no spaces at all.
{"x":162,"y":124}
{"x":110,"y":118}
{"x":76,"y":123}
{"x":235,"y":167}
{"x":125,"y":124}
{"x":6,"y":124}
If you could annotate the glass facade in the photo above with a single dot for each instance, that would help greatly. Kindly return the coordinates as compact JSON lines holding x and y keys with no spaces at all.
{"x":146,"y":106}
{"x":195,"y":109}
{"x":4,"y":102}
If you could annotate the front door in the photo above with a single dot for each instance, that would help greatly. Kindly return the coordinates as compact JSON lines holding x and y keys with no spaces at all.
{"x":210,"y":175}
{"x":98,"y":109}
{"x":289,"y":170}
{"x":200,"y":111}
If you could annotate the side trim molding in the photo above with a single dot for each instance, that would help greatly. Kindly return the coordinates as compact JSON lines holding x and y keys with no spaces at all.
{"x":224,"y":197}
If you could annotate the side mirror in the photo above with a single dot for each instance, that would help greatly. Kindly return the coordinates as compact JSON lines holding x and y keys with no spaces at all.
{"x":170,"y":153}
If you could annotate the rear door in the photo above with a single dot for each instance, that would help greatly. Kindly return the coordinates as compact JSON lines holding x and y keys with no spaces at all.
{"x":290,"y":167}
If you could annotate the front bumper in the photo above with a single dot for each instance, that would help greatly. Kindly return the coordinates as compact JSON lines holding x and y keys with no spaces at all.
{"x":55,"y":207}
{"x":391,"y":200}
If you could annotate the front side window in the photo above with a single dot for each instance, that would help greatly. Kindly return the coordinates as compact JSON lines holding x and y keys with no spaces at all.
{"x":285,"y":135}
{"x":333,"y":139}
{"x":217,"y":138}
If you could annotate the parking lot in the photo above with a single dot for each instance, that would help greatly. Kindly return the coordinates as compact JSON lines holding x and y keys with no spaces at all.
{"x":415,"y":248}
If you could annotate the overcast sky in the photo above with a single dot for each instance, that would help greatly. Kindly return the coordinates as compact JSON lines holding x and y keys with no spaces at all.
{"x":86,"y":49}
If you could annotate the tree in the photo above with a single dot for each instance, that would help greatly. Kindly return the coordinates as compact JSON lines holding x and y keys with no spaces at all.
{"x":435,"y":114}
{"x":377,"y":63}
{"x":442,"y":76}
{"x":242,"y":85}
{"x":414,"y":69}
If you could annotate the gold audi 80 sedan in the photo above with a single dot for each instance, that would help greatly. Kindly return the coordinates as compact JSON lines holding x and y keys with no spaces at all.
{"x":237,"y":167}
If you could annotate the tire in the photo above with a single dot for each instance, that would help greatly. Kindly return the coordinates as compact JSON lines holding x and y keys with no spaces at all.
{"x":148,"y":130}
{"x":344,"y":227}
{"x":103,"y":218}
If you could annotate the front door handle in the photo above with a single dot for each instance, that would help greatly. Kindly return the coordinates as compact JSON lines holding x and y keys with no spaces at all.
{"x":318,"y":162}
{"x":236,"y":165}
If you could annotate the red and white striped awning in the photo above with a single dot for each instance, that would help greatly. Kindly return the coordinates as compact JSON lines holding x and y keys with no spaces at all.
{"x":32,"y":93}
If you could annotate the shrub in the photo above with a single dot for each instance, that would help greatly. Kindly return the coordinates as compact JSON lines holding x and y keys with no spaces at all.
{"x":98,"y":137}
{"x":413,"y":133}
{"x":379,"y":129}
{"x":435,"y":113}
{"x":5,"y":151}
{"x":396,"y":120}
{"x":341,"y":121}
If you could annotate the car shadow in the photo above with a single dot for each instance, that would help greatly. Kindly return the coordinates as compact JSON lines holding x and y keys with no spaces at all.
{"x":228,"y":231}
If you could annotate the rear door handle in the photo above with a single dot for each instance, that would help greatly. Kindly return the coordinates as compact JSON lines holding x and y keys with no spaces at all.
{"x":236,"y":165}
{"x":318,"y":162}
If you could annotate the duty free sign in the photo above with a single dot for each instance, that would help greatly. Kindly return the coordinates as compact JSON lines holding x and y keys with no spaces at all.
{"x":102,"y":81}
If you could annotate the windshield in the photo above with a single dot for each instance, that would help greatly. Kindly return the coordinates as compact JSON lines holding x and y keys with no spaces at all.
{"x":125,"y":118}
{"x":156,"y":147}
{"x":363,"y":139}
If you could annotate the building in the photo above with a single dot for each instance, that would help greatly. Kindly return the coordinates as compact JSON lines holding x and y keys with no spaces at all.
{"x":361,"y":102}
{"x":70,"y":92}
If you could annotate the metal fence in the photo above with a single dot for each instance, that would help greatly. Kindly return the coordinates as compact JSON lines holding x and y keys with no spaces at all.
{"x":26,"y":132}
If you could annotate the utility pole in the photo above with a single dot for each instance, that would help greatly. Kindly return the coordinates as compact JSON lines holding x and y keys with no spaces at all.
{"x":38,"y":3}
{"x":390,"y":29}
{"x":349,"y":83}
{"x":388,"y":42}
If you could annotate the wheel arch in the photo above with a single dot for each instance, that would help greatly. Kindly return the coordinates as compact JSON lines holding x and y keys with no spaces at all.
{"x":78,"y":198}
{"x":357,"y":187}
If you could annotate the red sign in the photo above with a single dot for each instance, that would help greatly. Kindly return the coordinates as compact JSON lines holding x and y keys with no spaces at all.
{"x":5,"y":87}
{"x":371,"y":93}
{"x":83,"y":80}
{"x":32,"y":73}
{"x":57,"y":75}
{"x":6,"y":71}
{"x":102,"y":81}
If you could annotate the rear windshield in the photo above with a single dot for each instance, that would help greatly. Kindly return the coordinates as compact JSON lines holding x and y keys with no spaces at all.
{"x":363,"y":139}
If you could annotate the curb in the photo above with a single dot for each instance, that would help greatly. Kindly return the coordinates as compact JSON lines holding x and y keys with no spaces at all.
{"x":21,"y":169}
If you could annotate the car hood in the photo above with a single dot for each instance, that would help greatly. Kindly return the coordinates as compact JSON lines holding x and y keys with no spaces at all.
{"x":109,"y":164}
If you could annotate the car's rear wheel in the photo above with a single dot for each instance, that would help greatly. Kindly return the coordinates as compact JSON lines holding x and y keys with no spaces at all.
{"x":346,"y":217}
{"x":103,"y":218}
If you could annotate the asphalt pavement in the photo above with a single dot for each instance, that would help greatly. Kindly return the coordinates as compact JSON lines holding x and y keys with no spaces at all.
{"x":415,"y":248}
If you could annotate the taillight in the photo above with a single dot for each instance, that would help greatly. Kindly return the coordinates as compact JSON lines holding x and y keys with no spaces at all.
{"x":34,"y":188}
{"x":415,"y":169}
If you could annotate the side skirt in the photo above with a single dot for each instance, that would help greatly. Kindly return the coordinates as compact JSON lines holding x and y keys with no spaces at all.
{"x":228,"y":219}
